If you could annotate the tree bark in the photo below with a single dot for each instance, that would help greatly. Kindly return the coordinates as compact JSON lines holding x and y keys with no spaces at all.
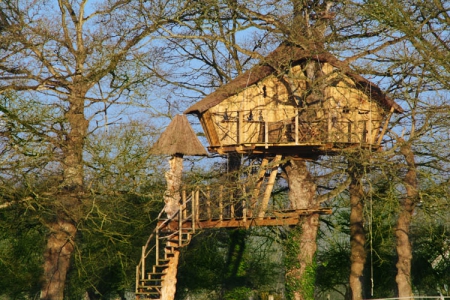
{"x":300,"y":277}
{"x":57,"y":258}
{"x":60,"y":242}
{"x":169,"y":283}
{"x":407,"y":205}
{"x":357,"y":234}
{"x":172,"y":199}
{"x":173,"y":178}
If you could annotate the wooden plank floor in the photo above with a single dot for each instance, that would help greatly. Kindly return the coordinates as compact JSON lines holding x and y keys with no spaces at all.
{"x":280,"y":218}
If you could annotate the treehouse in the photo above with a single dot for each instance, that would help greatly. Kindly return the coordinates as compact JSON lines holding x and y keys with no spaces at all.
{"x":295,"y":103}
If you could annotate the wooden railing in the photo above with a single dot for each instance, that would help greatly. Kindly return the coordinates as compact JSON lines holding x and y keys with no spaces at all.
{"x":208,"y":206}
{"x":220,"y":202}
{"x":299,"y":127}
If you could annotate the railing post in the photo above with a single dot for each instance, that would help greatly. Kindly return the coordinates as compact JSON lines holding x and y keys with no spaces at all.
{"x":349,"y":131}
{"x":137,"y":280}
{"x":231,"y":206}
{"x":364,"y":133}
{"x":180,"y":224}
{"x":143,"y":263}
{"x":193,"y":211}
{"x":183,"y":201}
{"x":266,"y":134}
{"x":329,"y":126}
{"x":296,"y":126}
{"x":221,"y":203}
{"x":239,"y":125}
{"x":197,"y":203}
{"x":157,"y":245}
{"x":208,"y":203}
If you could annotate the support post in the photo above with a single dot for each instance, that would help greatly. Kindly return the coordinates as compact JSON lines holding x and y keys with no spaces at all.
{"x":256,"y":189}
{"x":221,"y":203}
{"x":180,"y":225}
{"x":231,"y":206}
{"x":208,"y":203}
{"x":349,"y":131}
{"x":157,"y":245}
{"x":183,"y":200}
{"x":197,"y":204}
{"x":142,"y":263}
{"x":329,"y":125}
{"x":266,"y":134}
{"x":269,"y":187}
{"x":240,"y":122}
{"x":296,"y":126}
{"x":193,"y":210}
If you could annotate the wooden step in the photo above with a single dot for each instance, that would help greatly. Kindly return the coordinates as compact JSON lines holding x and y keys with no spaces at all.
{"x":156,"y":274}
{"x":163,"y":261}
{"x":155,"y":293}
{"x":147,"y":280}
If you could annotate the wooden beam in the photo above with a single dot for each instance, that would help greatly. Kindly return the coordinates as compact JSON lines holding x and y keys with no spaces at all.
{"x":280,"y":218}
{"x":269,"y":187}
{"x":256,"y":189}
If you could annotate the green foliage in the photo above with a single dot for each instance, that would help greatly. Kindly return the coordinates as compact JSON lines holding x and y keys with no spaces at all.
{"x":230,"y":262}
{"x":305,"y":285}
{"x":238,"y":293}
{"x":21,"y":245}
{"x":308,"y":281}
{"x":108,"y":246}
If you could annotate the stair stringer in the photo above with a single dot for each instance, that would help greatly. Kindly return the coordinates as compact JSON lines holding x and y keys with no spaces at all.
{"x":167,"y":239}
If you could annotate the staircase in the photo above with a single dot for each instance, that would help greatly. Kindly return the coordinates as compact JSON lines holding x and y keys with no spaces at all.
{"x":167,"y":239}
{"x":202,"y":208}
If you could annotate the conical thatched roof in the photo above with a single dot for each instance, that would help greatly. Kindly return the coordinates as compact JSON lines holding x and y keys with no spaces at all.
{"x":179,"y":138}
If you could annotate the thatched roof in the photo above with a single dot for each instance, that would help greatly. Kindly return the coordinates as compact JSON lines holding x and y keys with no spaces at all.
{"x":277,"y":61}
{"x":179,"y":138}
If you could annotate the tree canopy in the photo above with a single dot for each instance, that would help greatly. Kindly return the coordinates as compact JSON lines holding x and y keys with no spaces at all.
{"x":87,"y":86}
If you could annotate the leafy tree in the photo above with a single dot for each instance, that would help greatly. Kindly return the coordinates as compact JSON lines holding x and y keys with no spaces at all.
{"x":78,"y":59}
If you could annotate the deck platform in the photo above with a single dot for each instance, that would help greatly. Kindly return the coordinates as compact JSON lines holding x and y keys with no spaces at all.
{"x":277,"y":218}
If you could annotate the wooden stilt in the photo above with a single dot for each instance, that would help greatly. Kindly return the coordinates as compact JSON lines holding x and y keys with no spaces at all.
{"x":221,"y":203}
{"x":296,"y":126}
{"x":197,"y":205}
{"x":257,"y":188}
{"x":269,"y":187}
{"x":183,"y":199}
{"x":244,"y":204}
{"x":208,"y":203}
{"x":193,"y":210}
{"x":143,"y":263}
{"x":157,"y":245}
{"x":231,"y":206}
{"x":180,"y":226}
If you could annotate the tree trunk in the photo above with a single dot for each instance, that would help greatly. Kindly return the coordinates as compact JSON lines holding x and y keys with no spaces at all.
{"x":60,"y":242}
{"x":300,"y":273}
{"x":172,"y":199}
{"x":169,"y":283}
{"x":57,"y":259}
{"x":357,"y":234}
{"x":172,"y":195}
{"x":404,"y":249}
